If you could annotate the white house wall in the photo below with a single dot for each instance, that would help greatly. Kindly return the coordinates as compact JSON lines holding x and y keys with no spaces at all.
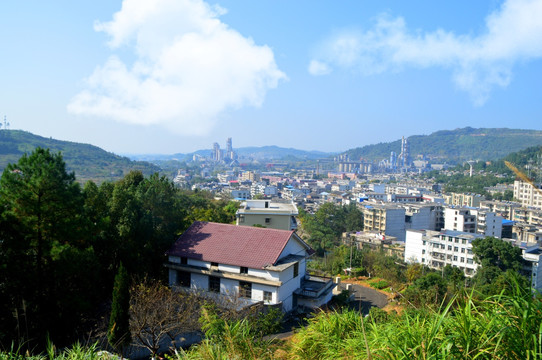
{"x":199,"y":281}
{"x":229,"y":287}
{"x":293,"y":247}
{"x":289,"y":285}
{"x":229,"y":268}
{"x":413,"y":246}
{"x":258,"y":289}
{"x":265,"y":274}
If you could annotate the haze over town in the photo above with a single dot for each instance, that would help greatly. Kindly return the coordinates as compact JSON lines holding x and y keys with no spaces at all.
{"x":174,"y":76}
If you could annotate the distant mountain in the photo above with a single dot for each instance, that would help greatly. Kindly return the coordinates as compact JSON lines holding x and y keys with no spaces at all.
{"x":279,"y":153}
{"x":253,"y":152}
{"x":89,"y":162}
{"x":456,"y":145}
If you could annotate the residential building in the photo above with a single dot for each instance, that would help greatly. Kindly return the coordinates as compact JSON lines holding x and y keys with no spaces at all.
{"x":531,"y":216}
{"x":461,"y":199}
{"x":528,"y":195}
{"x":375,"y":241}
{"x":459,"y":219}
{"x":385,"y":219}
{"x":501,"y":208}
{"x":488,"y":223}
{"x":246,"y":263}
{"x":240,"y":194}
{"x":267,"y":213}
{"x":424,"y":216}
{"x":437,"y":249}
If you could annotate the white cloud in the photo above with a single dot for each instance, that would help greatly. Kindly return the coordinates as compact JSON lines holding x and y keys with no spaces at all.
{"x":318,"y":68}
{"x":478,"y":63}
{"x":189,"y":68}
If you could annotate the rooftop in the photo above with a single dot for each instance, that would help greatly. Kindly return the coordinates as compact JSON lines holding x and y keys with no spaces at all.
{"x":246,"y":246}
{"x":268,"y":206}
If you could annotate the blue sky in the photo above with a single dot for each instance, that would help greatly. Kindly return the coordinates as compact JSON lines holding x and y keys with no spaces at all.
{"x":169,"y":76}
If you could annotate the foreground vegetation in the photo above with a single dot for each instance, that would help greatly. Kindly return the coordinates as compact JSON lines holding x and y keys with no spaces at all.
{"x":495,"y":327}
{"x":61,"y":245}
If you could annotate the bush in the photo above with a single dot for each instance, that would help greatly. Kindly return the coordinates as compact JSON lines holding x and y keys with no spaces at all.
{"x":380,"y":284}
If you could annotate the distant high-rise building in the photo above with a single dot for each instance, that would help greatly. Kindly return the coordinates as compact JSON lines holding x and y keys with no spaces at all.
{"x":393,"y":160}
{"x":404,"y":157}
{"x":228,"y":146}
{"x":230,"y":154}
{"x":217,"y":153}
{"x":223,"y":155}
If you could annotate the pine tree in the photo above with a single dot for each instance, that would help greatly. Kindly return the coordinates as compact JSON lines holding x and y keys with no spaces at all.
{"x":118,"y":332}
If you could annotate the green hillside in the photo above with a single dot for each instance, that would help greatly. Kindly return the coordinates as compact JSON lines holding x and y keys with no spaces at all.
{"x":89,"y":162}
{"x":456,"y":145}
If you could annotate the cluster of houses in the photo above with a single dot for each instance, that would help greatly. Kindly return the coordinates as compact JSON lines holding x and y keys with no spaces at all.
{"x":261,"y":259}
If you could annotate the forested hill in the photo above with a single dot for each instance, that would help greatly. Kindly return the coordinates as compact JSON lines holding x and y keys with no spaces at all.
{"x":89,"y":162}
{"x":456,"y":145}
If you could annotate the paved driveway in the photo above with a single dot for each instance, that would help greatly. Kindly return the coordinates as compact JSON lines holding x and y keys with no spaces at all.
{"x":365,"y":298}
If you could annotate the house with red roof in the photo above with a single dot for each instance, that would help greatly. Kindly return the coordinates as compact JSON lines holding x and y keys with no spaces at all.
{"x":250,"y":263}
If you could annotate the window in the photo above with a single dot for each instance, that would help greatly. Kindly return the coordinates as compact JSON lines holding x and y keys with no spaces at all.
{"x":456,"y":248}
{"x":267,"y":296}
{"x":243,"y":270}
{"x":183,"y":278}
{"x":241,"y":218}
{"x":463,"y":241}
{"x":296,"y":270}
{"x":268,"y":220}
{"x":442,"y":246}
{"x":462,"y":259}
{"x":424,"y":242}
{"x":423,"y":251}
{"x":214,"y":284}
{"x":469,"y":261}
{"x":450,"y":247}
{"x":455,"y":258}
{"x":423,"y":260}
{"x":184,"y":261}
{"x":456,"y":240}
{"x":463,"y":250}
{"x":245,"y":289}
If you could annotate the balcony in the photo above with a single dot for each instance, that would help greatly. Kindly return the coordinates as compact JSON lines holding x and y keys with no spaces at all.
{"x":314,"y":287}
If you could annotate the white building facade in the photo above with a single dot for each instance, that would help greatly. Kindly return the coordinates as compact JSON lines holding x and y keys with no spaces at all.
{"x":246,"y":263}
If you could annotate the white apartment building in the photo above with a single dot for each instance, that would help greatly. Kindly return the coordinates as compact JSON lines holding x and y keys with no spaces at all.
{"x":437,"y":249}
{"x":459,"y":219}
{"x":527,"y":195}
{"x":474,"y":221}
{"x":488,"y":223}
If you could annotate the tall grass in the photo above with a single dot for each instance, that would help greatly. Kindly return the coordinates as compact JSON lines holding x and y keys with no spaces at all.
{"x":76,"y":352}
{"x":227,"y":340}
{"x":498,"y":327}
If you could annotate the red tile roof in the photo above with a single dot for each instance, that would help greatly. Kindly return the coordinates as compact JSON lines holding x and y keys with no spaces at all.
{"x":232,"y":245}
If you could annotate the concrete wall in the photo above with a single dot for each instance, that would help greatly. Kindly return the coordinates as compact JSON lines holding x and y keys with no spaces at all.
{"x":413,"y":246}
{"x":395,"y":223}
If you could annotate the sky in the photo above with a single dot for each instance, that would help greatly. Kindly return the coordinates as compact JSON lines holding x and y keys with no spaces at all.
{"x":175,"y":76}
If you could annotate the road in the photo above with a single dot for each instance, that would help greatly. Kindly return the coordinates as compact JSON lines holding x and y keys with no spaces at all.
{"x":366,"y":298}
